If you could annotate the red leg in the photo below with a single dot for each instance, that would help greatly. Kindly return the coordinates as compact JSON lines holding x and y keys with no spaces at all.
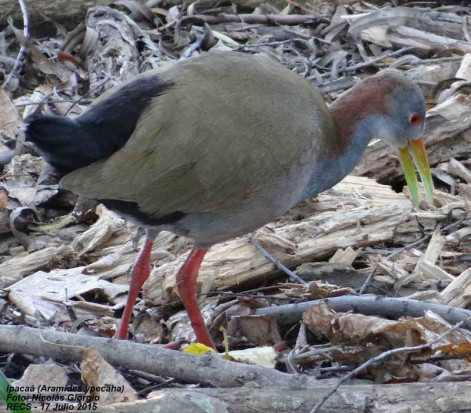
{"x":139,"y":274}
{"x":186,"y":284}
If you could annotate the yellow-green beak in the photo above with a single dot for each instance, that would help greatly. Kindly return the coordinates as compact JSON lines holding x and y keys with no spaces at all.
{"x":414,"y":152}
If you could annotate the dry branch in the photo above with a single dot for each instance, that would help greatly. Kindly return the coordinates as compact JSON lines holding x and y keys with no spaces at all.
{"x":379,"y":306}
{"x":209,"y":369}
{"x":269,"y":19}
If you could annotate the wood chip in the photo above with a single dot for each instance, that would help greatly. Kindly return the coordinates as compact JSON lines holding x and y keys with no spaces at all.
{"x":458,"y":292}
{"x":460,"y":170}
{"x":345,"y":257}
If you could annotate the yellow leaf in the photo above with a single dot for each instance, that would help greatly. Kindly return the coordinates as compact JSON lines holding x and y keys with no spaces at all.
{"x":198,"y":349}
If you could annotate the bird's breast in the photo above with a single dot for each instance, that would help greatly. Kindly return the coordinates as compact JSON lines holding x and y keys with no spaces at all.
{"x":262,"y":206}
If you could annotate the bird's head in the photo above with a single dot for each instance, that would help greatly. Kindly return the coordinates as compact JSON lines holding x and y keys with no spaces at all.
{"x":392,"y":108}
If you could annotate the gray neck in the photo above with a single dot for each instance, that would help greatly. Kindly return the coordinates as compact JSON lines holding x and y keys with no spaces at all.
{"x":329,"y":171}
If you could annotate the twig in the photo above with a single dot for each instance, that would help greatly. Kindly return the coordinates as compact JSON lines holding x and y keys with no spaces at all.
{"x":368,"y":280}
{"x":269,"y":19}
{"x":20,"y":58}
{"x":266,"y":44}
{"x":88,"y":93}
{"x":231,"y":294}
{"x":153,"y":387}
{"x":375,"y":60}
{"x":379,"y":358}
{"x":278,"y":264}
{"x":436,"y":60}
{"x":306,"y":37}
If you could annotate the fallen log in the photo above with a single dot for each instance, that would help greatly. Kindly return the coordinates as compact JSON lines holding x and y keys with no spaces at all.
{"x":356,"y":398}
{"x":209,"y":369}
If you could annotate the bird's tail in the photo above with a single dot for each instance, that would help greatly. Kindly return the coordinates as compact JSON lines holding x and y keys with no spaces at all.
{"x":62,"y":142}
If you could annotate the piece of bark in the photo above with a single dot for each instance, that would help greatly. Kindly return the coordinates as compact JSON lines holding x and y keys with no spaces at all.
{"x":424,"y":43}
{"x":368,"y":305}
{"x":447,"y":134}
{"x":464,"y":72}
{"x":427,"y":271}
{"x":460,"y":238}
{"x":458,"y":169}
{"x":431,"y":22}
{"x":20,"y":266}
{"x":350,"y":398}
{"x":465,"y":192}
{"x":344,"y":257}
{"x":97,"y":373}
{"x":210,"y":369}
{"x":435,"y":246}
{"x":425,"y":267}
{"x":258,"y":330}
{"x":458,"y":292}
{"x":393,"y":269}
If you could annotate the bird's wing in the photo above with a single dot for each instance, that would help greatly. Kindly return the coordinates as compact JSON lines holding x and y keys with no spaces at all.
{"x":228,"y":127}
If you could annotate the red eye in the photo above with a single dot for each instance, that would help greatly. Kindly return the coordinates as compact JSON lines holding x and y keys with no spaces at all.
{"x":415,"y":119}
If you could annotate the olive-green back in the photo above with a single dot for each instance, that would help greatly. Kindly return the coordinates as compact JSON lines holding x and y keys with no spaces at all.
{"x":231,"y":125}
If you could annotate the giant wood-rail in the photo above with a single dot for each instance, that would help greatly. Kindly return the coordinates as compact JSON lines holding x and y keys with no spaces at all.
{"x":216,"y":146}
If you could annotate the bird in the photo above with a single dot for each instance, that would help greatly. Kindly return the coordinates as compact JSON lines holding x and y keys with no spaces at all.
{"x":218,"y":145}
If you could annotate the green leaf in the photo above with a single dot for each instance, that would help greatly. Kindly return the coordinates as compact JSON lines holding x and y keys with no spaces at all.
{"x":10,"y":396}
